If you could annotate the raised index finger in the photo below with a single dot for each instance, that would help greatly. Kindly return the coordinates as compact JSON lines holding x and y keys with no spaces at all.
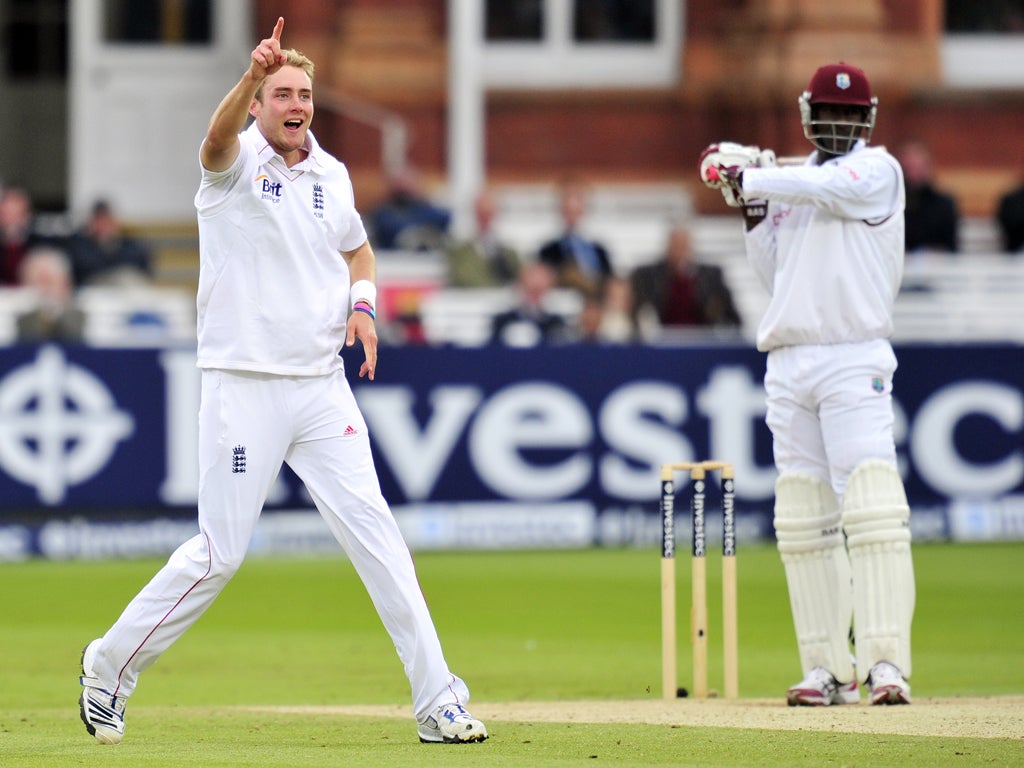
{"x":278,"y":28}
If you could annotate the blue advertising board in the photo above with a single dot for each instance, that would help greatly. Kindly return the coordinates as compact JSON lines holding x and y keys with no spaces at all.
{"x":516,"y":438}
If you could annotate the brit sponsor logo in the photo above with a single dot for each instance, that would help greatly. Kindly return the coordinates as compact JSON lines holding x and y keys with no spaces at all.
{"x":269,"y":190}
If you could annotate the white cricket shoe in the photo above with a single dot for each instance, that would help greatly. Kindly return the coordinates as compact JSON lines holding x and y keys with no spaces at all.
{"x":821,"y":689}
{"x":102,"y":712}
{"x":887,"y":684}
{"x":451,"y":724}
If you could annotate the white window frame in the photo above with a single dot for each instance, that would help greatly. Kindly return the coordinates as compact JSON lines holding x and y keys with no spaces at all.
{"x":983,"y":61}
{"x":558,"y":61}
{"x":139,"y":111}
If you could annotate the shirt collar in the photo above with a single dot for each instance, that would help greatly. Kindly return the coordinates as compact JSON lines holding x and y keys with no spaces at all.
{"x":313,"y":162}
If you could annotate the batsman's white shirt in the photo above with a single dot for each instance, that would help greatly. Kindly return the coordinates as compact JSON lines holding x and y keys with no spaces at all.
{"x":830,"y":251}
{"x":270,"y":267}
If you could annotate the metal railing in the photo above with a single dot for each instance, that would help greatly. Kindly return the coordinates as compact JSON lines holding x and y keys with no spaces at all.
{"x":393,"y":128}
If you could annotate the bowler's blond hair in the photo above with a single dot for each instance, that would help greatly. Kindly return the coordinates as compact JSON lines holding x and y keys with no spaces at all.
{"x":293,"y":58}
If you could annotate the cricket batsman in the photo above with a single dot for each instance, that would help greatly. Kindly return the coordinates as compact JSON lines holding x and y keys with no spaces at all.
{"x":826,"y":240}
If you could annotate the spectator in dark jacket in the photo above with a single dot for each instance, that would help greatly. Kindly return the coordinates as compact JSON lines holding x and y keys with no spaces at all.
{"x":1010,"y":218}
{"x":17,"y":235}
{"x":680,"y":291}
{"x":578,"y":261}
{"x":408,"y":219}
{"x":530,"y":323}
{"x":101,"y":253}
{"x":932,"y":216}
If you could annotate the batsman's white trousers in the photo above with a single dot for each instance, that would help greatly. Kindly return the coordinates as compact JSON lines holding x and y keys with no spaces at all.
{"x":830,"y":408}
{"x":249,"y":424}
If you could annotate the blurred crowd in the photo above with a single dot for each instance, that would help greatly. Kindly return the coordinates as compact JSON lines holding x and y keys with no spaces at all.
{"x":53,"y":267}
{"x":668,"y":293}
{"x":671,"y":290}
{"x":933,"y":215}
{"x":672,"y":293}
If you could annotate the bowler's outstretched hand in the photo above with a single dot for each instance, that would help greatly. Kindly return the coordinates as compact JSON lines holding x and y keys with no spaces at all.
{"x":267,"y":57}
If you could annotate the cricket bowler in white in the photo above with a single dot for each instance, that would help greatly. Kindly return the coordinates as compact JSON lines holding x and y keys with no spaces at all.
{"x":826,"y":239}
{"x":286,"y":278}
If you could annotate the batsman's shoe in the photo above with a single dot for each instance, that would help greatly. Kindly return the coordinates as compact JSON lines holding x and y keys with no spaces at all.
{"x":102,"y":712}
{"x":887,"y":684}
{"x":451,"y":724}
{"x":820,"y":689}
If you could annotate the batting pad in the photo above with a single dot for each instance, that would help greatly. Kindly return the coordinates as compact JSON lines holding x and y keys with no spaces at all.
{"x":810,"y":540}
{"x":876,"y":519}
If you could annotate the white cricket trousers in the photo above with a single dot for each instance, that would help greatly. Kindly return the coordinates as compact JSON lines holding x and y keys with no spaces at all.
{"x":830,"y":408}
{"x":249,"y":424}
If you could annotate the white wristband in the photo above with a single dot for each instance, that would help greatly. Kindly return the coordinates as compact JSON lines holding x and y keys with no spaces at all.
{"x":363,"y":290}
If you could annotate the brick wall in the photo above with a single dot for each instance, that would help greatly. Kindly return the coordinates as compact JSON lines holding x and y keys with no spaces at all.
{"x":744,"y":64}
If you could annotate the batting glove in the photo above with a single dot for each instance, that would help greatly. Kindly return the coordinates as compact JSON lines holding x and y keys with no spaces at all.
{"x":722,"y":165}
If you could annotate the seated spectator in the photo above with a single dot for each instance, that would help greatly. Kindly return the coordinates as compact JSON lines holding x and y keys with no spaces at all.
{"x":529,"y":323}
{"x":101,"y":254}
{"x":482,"y":261}
{"x":608,"y":318}
{"x":17,"y":235}
{"x":680,"y":291}
{"x":407,"y":219}
{"x":1010,"y":217}
{"x":578,"y":261}
{"x":47,"y":271}
{"x":932,"y":216}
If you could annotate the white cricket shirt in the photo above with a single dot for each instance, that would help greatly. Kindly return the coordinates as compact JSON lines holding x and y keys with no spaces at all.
{"x":273,"y":286}
{"x":830,"y":251}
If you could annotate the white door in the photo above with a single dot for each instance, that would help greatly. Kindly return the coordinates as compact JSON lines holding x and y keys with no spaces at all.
{"x":139,"y":110}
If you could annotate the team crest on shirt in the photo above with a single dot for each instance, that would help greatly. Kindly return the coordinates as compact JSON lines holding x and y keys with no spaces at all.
{"x":318,"y":201}
{"x":238,"y":460}
{"x":269,"y":190}
{"x":877,"y":384}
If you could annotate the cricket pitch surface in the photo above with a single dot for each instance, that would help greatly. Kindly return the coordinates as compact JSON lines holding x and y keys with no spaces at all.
{"x":994,"y":717}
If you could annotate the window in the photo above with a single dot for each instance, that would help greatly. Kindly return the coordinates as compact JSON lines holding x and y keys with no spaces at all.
{"x":35,"y":39}
{"x":513,"y":20}
{"x":984,"y":43}
{"x":613,"y":20}
{"x":168,"y":22}
{"x":581,"y":43}
{"x":985,"y":16}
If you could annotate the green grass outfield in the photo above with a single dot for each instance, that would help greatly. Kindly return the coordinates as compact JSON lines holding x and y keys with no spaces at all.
{"x":271,"y":675}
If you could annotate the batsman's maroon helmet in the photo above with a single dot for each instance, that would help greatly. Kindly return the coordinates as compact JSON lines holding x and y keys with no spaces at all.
{"x":841,"y":84}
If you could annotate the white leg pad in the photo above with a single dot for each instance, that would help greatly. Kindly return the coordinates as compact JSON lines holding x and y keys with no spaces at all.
{"x":810,"y":540}
{"x":876,"y":519}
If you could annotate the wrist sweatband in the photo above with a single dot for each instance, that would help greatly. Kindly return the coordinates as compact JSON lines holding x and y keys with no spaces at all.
{"x":363,"y":290}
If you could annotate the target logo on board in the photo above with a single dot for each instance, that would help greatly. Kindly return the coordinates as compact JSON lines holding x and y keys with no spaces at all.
{"x":59,"y":424}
